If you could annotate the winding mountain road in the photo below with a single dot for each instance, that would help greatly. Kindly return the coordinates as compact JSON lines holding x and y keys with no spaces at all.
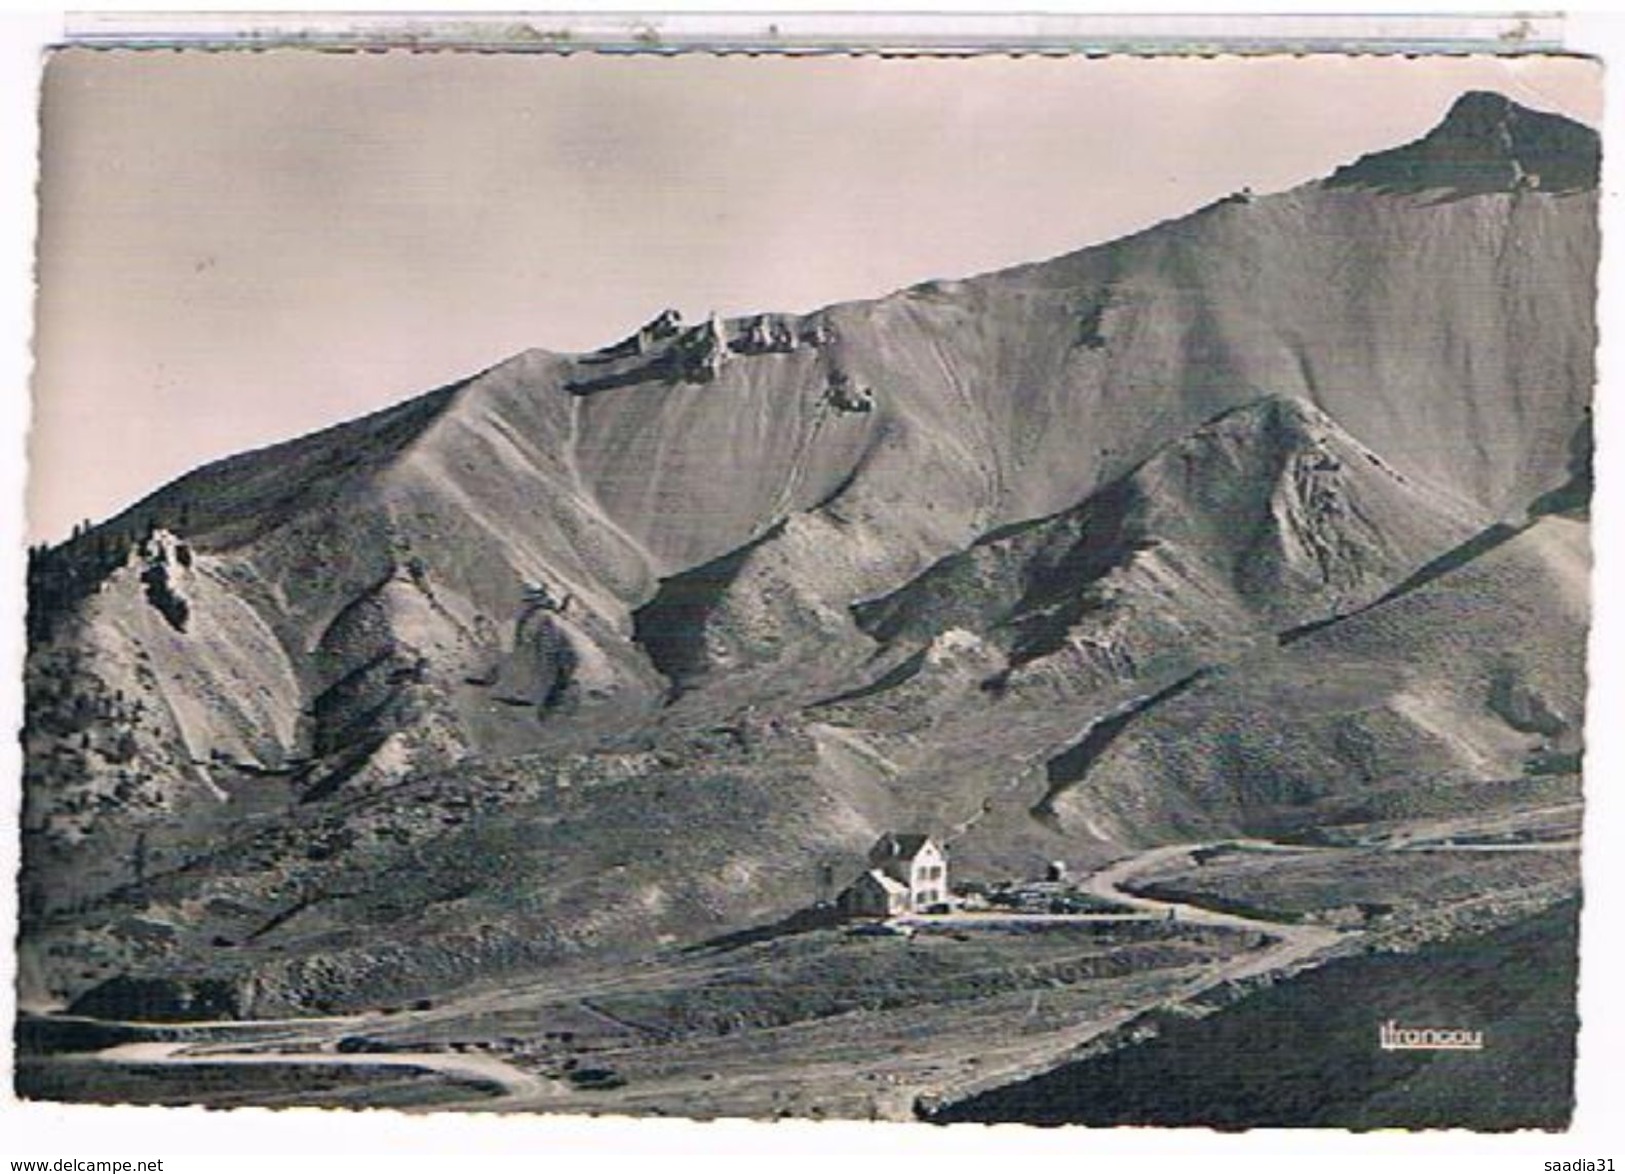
{"x":1289,"y":945}
{"x":1286,"y":945}
{"x":516,"y":1085}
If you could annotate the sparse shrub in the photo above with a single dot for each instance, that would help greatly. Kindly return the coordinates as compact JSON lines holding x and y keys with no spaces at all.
{"x":1552,"y":762}
{"x":123,"y":749}
{"x":597,"y":1078}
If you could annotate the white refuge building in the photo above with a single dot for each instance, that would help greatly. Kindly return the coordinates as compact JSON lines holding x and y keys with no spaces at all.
{"x":908,"y":873}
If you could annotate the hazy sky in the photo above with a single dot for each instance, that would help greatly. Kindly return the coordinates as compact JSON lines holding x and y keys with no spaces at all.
{"x":236,"y":248}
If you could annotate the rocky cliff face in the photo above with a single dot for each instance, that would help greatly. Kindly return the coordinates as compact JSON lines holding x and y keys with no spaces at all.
{"x":926,"y":539}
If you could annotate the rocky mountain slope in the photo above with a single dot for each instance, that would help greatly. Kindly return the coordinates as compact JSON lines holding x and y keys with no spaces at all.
{"x":1036,"y":560}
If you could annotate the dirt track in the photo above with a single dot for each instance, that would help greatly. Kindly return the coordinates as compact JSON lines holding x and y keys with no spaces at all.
{"x":1291,"y":944}
{"x":523,"y":1090}
{"x":516,"y":1085}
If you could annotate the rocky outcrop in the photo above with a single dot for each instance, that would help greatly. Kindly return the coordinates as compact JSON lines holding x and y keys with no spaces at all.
{"x":962,"y":523}
{"x":1487,"y":143}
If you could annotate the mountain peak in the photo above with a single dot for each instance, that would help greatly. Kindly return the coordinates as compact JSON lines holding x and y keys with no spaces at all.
{"x":1477,"y":105}
{"x":1486,"y":143}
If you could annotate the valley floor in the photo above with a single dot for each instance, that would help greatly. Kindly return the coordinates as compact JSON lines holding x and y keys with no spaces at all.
{"x":816,"y":1022}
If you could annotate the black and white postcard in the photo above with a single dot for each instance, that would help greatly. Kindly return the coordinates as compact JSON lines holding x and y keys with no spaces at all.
{"x":986,"y":588}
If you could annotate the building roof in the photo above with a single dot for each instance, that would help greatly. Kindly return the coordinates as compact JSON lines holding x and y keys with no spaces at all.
{"x":886,"y":883}
{"x":898,"y":846}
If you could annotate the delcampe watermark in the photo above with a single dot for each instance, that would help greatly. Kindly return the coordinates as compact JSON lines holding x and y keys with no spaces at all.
{"x":1392,"y":1037}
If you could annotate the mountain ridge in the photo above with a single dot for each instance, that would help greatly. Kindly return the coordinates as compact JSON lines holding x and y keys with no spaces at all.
{"x":1261,"y":415}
